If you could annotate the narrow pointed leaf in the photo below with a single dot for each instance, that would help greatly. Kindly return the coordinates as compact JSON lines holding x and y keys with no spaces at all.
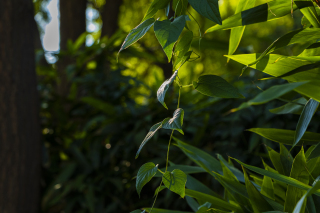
{"x":175,"y":122}
{"x":310,"y":89}
{"x":175,"y":181}
{"x":215,"y":86}
{"x":151,"y":132}
{"x":168,"y":32}
{"x":312,"y":50}
{"x":208,"y":9}
{"x":304,"y":120}
{"x":137,"y":33}
{"x":184,"y":168}
{"x":315,"y":152}
{"x":299,"y":172}
{"x":286,"y":136}
{"x":295,"y":107}
{"x":236,"y":33}
{"x":309,"y":12}
{"x":286,"y":160}
{"x":145,"y":174}
{"x":161,"y":93}
{"x":154,"y":7}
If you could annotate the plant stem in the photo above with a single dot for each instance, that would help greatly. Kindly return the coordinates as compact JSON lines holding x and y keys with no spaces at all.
{"x":190,"y":85}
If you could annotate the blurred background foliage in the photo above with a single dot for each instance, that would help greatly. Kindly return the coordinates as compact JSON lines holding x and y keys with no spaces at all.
{"x":95,"y":115}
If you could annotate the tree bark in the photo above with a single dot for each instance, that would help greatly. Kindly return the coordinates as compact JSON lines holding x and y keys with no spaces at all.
{"x":109,"y":16}
{"x":72,"y":25}
{"x":20,"y":147}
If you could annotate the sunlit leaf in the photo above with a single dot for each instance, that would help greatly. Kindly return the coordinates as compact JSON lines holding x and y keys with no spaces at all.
{"x":208,"y":9}
{"x":175,"y":122}
{"x":182,"y":47}
{"x":215,"y":86}
{"x":154,"y":7}
{"x":168,"y":32}
{"x":145,"y":174}
{"x":309,"y":12}
{"x":175,"y":181}
{"x":161,"y":93}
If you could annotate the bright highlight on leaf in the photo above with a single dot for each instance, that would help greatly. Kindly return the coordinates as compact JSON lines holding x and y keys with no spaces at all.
{"x":175,"y":181}
{"x":175,"y":122}
{"x":161,"y":93}
{"x":145,"y":174}
{"x":168,"y":33}
{"x":208,"y":9}
{"x":215,"y":86}
{"x":154,"y":7}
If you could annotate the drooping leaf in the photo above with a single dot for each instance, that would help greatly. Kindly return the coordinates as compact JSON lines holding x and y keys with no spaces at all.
{"x":175,"y":122}
{"x":304,"y":120}
{"x":215,"y":86}
{"x":286,"y":136}
{"x":261,"y":13}
{"x":168,"y":32}
{"x":259,"y":204}
{"x":315,"y":186}
{"x":154,"y":7}
{"x":216,"y":202}
{"x":208,"y":9}
{"x":161,"y":93}
{"x":179,"y":7}
{"x":236,"y":33}
{"x":145,"y":174}
{"x":137,"y":33}
{"x":182,"y":47}
{"x":151,"y":132}
{"x":298,"y":172}
{"x":175,"y":181}
{"x":295,"y":107}
{"x":315,"y":152}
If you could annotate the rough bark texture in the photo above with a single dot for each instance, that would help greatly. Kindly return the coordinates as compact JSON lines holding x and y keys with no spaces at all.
{"x":20,"y":160}
{"x":72,"y":25}
{"x":110,"y":15}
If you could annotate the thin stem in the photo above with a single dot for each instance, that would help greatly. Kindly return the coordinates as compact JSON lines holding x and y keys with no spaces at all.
{"x":190,"y":85}
{"x":179,"y":98}
{"x":168,"y":151}
{"x":160,"y":171}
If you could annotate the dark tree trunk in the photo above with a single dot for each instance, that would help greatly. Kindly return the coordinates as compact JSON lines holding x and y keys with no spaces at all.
{"x":72,"y":25}
{"x":110,"y":15}
{"x":20,"y":152}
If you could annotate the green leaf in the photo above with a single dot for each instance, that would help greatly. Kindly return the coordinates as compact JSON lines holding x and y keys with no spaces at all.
{"x":137,"y":33}
{"x":259,"y":204}
{"x":208,"y":9}
{"x":184,"y":168}
{"x":181,"y":60}
{"x":137,"y":211}
{"x":216,"y":202}
{"x":168,"y":32}
{"x":295,"y":107}
{"x":236,"y":33}
{"x":297,"y":36}
{"x":175,"y":181}
{"x":312,"y":50}
{"x":180,"y":7}
{"x":310,"y":89}
{"x":194,"y":184}
{"x":304,"y":120}
{"x":299,"y":207}
{"x":315,"y":152}
{"x":161,"y":93}
{"x":270,"y":94}
{"x":309,"y":12}
{"x":299,"y":172}
{"x":192,"y":203}
{"x":151,"y":132}
{"x":145,"y":174}
{"x":175,"y":122}
{"x":261,"y":13}
{"x":154,"y":7}
{"x":182,"y":47}
{"x":286,"y":136}
{"x":267,"y":188}
{"x":286,"y":160}
{"x":215,"y":86}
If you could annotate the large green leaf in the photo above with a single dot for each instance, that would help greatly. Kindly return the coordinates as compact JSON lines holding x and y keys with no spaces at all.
{"x":299,"y":207}
{"x":161,"y":93}
{"x":215,"y":86}
{"x":300,"y":173}
{"x":216,"y":202}
{"x":168,"y":32}
{"x":145,"y":174}
{"x":154,"y":7}
{"x":259,"y":204}
{"x":208,"y":9}
{"x":295,"y":107}
{"x":304,"y":120}
{"x":175,"y":181}
{"x":137,"y":33}
{"x":182,"y":47}
{"x":286,"y":136}
{"x":309,"y":12}
{"x":270,"y":94}
{"x":261,"y":13}
{"x":151,"y":132}
{"x":236,"y":33}
{"x":175,"y":122}
{"x":279,"y":65}
{"x":312,"y":50}
{"x":310,"y":89}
